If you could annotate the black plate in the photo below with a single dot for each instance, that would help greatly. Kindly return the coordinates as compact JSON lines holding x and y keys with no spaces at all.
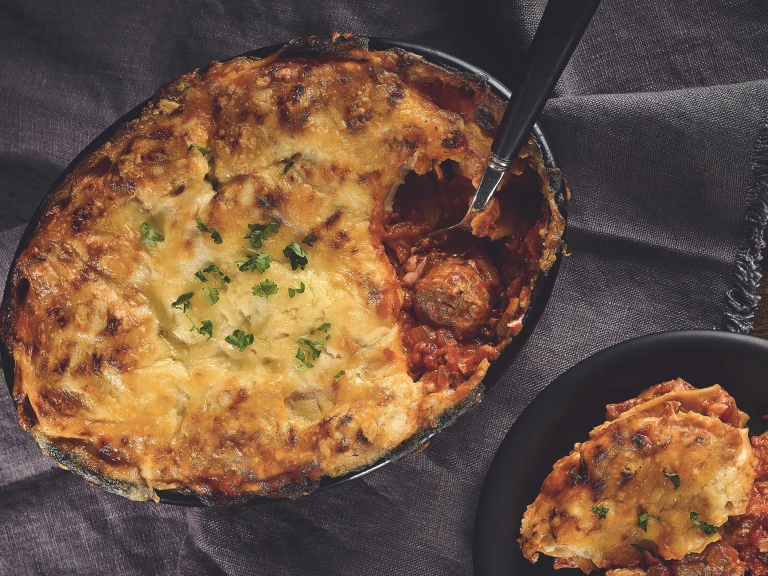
{"x":572,"y":405}
{"x":540,"y":294}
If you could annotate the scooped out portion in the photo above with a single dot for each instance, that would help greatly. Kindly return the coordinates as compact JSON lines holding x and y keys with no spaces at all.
{"x":463,"y":301}
{"x":650,"y":489}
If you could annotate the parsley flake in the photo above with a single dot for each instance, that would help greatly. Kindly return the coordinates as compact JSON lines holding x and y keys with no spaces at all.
{"x":315,"y":347}
{"x":309,"y":240}
{"x":293,"y":291}
{"x":296,"y":255}
{"x":674,"y":477}
{"x":239,"y":340}
{"x":339,"y":374}
{"x":265,"y":289}
{"x":256,"y":261}
{"x":206,"y":328}
{"x":601,"y":511}
{"x":151,"y":236}
{"x":705,"y":527}
{"x":576,"y":475}
{"x":206,"y":230}
{"x":287,"y":167}
{"x":260,"y":232}
{"x":300,"y":355}
{"x":323,"y":327}
{"x":212,"y":269}
{"x":642,"y":521}
{"x":212,"y":295}
{"x":202,"y":149}
{"x":182,"y":303}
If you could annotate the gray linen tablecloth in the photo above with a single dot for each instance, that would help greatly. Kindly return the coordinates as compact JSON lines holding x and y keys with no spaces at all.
{"x":659,"y":125}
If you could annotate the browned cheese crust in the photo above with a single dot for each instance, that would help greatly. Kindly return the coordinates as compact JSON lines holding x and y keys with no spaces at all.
{"x":624,"y":498}
{"x":131,"y":393}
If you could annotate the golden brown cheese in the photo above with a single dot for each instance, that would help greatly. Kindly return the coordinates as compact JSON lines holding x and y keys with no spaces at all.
{"x":633,"y":486}
{"x":125,"y":389}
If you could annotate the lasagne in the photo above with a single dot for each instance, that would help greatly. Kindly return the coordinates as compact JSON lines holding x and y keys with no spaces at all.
{"x":661,"y":488}
{"x":227,"y":298}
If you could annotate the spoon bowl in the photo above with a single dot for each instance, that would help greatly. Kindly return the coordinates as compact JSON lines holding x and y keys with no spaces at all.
{"x":561,"y":27}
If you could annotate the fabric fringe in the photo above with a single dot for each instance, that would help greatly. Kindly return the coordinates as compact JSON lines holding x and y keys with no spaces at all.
{"x":742,"y":298}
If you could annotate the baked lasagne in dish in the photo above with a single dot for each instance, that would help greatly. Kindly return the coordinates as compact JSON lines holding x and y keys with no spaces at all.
{"x":669,"y":485}
{"x":225,"y":299}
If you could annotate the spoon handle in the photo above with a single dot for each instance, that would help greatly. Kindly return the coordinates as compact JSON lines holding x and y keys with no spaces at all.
{"x":562,"y":26}
{"x":560,"y":29}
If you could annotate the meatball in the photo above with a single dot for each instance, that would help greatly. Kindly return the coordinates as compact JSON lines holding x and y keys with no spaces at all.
{"x":454,"y":295}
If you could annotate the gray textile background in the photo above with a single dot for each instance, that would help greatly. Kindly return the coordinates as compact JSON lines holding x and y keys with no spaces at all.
{"x":656,"y":126}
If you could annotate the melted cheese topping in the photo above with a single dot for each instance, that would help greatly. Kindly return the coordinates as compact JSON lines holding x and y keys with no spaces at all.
{"x":121,"y":387}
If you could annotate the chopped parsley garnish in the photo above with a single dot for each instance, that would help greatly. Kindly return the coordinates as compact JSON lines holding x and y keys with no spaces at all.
{"x":212,"y":269}
{"x":202,"y":149}
{"x":182,"y":303}
{"x":206,"y":230}
{"x":212,"y":295}
{"x":339,"y":374}
{"x":260,"y":232}
{"x":323,"y":327}
{"x":308,"y":240}
{"x":601,"y":511}
{"x":287,"y":167}
{"x":265,"y":289}
{"x":293,"y":291}
{"x":296,"y":255}
{"x":239,"y":340}
{"x":206,"y":329}
{"x":315,"y":347}
{"x":659,"y":518}
{"x":151,"y":236}
{"x":576,"y":475}
{"x":300,"y":355}
{"x":705,"y":527}
{"x":256,"y":261}
{"x":674,"y":478}
{"x":642,"y":521}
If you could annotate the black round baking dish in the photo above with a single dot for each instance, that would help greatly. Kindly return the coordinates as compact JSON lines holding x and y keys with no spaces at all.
{"x":539,"y":298}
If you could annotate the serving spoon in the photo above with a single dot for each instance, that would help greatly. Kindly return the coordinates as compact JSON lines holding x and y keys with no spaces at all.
{"x":561,"y":27}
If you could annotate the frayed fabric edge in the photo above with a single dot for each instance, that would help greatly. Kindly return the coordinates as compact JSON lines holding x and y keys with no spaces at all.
{"x":742,"y":297}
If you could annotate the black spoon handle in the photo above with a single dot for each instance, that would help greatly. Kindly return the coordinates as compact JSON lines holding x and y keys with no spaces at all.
{"x":562,"y":26}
